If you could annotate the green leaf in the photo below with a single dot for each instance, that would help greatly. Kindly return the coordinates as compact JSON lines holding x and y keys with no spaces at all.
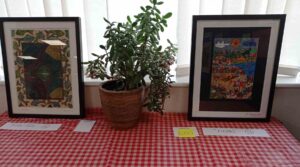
{"x":106,"y":35}
{"x":106,"y":21}
{"x":158,"y":11}
{"x":159,"y":3}
{"x":94,"y":54}
{"x":128,"y":19}
{"x":148,"y":7}
{"x":168,"y":15}
{"x":154,"y":2}
{"x":134,"y":24}
{"x":102,"y":47}
{"x":169,"y":41}
{"x":119,"y":25}
{"x":164,"y":22}
{"x":112,"y":69}
{"x":159,"y":48}
{"x":157,"y":16}
{"x":162,"y":29}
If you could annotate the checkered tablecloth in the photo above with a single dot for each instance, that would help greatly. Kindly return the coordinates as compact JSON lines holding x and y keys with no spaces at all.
{"x":151,"y":143}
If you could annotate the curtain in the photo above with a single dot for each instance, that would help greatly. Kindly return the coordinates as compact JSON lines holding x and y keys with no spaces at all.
{"x":289,"y":55}
{"x":179,"y":28}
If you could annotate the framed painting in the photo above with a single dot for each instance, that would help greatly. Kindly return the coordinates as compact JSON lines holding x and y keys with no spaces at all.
{"x":234,"y":62}
{"x":42,"y":66}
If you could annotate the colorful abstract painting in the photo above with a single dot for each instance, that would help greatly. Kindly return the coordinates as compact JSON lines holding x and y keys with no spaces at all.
{"x":43,"y":73}
{"x":233,"y":68}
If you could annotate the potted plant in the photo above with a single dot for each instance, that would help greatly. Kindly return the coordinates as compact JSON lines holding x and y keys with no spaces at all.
{"x":133,"y":53}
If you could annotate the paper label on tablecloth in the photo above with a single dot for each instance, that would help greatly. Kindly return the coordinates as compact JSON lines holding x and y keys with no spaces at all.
{"x":30,"y":126}
{"x":84,"y":126}
{"x":235,"y":132}
{"x":185,"y":132}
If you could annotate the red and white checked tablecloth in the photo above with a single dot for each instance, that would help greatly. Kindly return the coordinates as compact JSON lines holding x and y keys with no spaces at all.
{"x":151,"y":143}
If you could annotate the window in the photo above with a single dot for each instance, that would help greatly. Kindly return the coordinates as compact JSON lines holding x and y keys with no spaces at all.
{"x":179,"y":26}
{"x":290,"y":59}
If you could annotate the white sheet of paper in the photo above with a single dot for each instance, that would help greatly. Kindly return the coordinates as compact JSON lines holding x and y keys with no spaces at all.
{"x":235,"y":132}
{"x":175,"y":130}
{"x":30,"y":126}
{"x":27,"y":57}
{"x":54,"y":42}
{"x":84,"y":126}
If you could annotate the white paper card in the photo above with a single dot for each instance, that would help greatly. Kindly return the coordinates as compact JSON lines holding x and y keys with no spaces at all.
{"x":27,"y":57}
{"x":235,"y":132}
{"x":176,"y":129}
{"x":54,"y":42}
{"x":30,"y":126}
{"x":84,"y":126}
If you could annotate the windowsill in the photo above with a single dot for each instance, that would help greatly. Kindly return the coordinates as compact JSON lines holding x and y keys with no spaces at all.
{"x":183,"y":81}
{"x":286,"y":81}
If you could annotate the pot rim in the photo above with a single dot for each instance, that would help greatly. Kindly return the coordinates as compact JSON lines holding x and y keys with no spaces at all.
{"x":122,"y":91}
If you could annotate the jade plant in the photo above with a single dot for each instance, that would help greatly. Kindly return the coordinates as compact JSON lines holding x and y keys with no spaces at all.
{"x":133,"y":53}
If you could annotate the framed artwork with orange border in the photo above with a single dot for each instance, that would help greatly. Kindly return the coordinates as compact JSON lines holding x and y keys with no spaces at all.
{"x":234,"y":62}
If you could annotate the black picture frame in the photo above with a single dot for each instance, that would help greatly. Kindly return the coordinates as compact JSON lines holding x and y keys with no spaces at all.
{"x":42,"y":66}
{"x":234,"y":63}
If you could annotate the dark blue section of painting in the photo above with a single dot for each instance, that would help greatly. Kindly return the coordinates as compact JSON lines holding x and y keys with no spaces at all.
{"x":42,"y":75}
{"x":248,"y":68}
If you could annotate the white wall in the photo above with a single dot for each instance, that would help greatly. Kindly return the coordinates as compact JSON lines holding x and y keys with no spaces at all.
{"x":3,"y":103}
{"x":286,"y":104}
{"x":285,"y":107}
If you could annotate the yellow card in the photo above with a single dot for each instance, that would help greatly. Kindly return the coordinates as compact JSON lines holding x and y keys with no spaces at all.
{"x":186,"y":132}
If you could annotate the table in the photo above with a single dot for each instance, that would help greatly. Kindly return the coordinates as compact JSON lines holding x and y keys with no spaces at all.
{"x":151,"y":143}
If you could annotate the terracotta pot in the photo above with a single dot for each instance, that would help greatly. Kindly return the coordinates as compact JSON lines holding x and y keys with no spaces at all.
{"x":121,"y":108}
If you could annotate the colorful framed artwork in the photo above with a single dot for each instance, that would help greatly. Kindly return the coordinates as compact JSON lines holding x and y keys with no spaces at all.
{"x":234,"y":62}
{"x":42,"y":66}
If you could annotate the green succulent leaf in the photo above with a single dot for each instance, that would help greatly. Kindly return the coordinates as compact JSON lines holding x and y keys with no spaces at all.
{"x":158,"y":11}
{"x":148,"y":7}
{"x":106,"y":20}
{"x":102,"y":47}
{"x":129,"y":19}
{"x":134,"y":24}
{"x":168,"y":15}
